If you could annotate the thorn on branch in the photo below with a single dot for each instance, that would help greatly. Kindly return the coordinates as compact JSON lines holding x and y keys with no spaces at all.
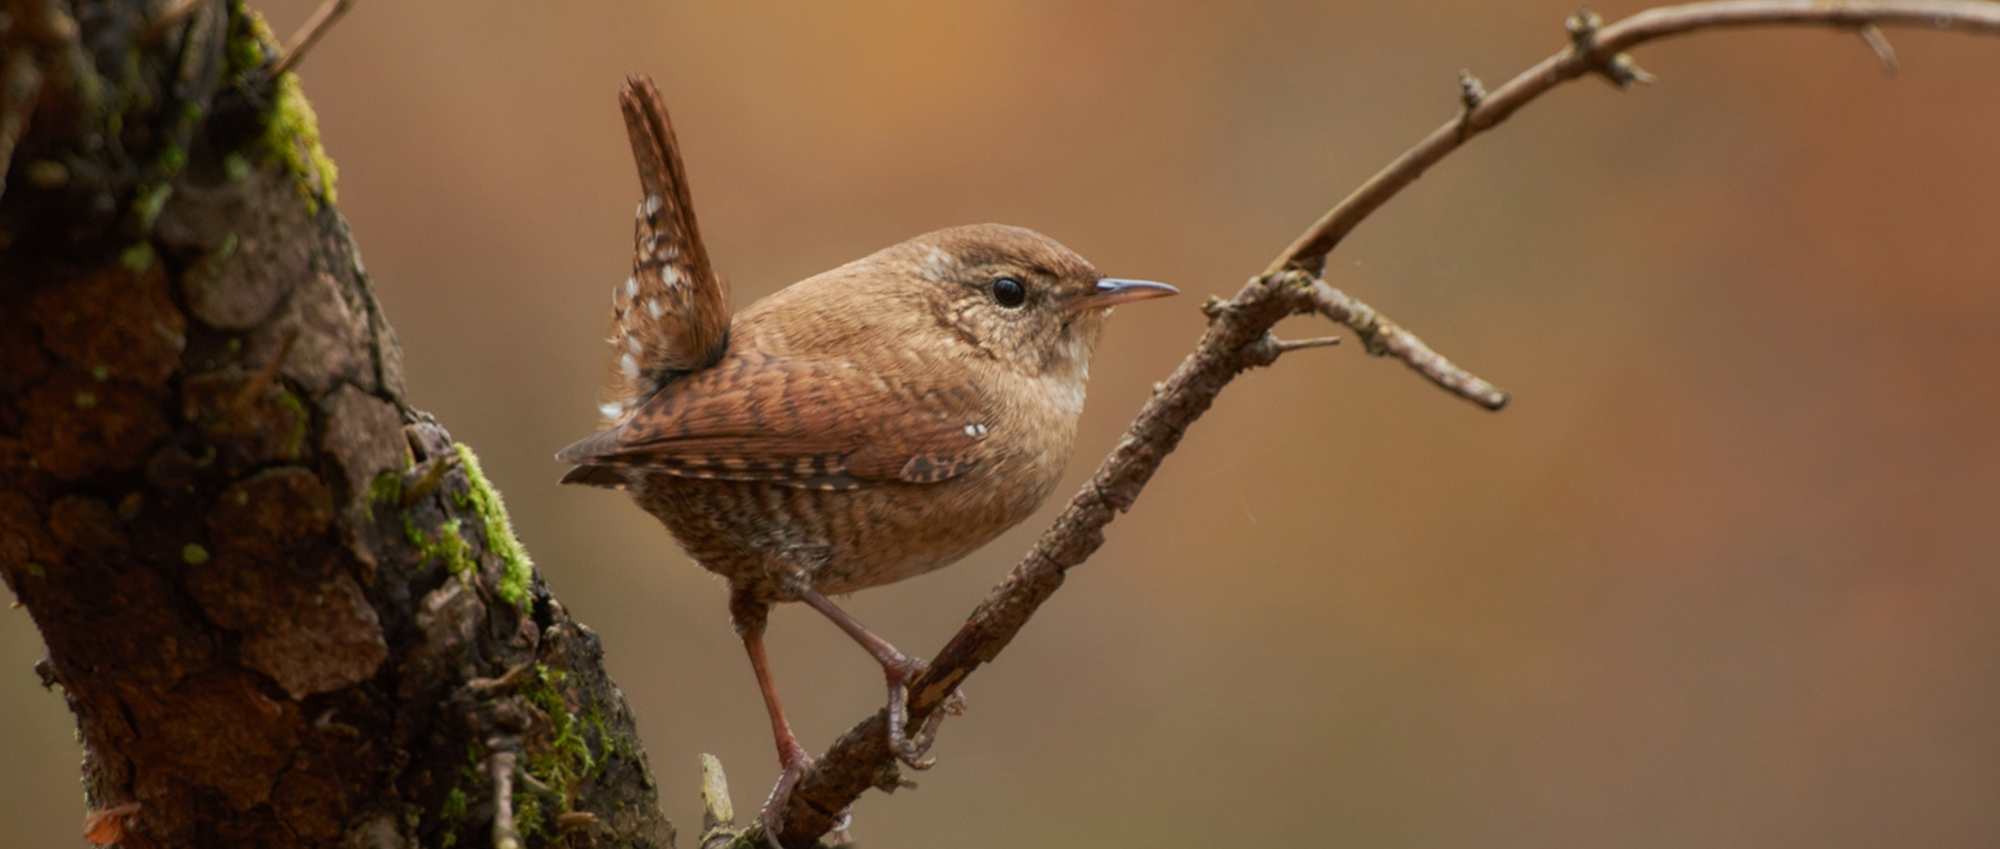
{"x":1286,"y":346}
{"x":1885,"y":52}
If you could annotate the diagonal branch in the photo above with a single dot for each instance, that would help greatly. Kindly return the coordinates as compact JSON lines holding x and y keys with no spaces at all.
{"x":1238,"y":338}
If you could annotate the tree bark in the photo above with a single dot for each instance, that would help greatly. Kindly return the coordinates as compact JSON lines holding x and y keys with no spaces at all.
{"x":285,"y":607}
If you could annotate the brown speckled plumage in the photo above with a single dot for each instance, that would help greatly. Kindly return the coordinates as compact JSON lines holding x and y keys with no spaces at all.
{"x":859,"y":427}
{"x":849,"y":449}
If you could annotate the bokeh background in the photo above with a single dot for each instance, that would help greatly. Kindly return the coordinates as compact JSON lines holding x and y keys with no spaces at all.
{"x":1726,"y":574}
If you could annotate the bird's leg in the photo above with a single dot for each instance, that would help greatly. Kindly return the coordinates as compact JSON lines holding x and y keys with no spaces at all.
{"x":749,"y":616}
{"x":900,"y":669}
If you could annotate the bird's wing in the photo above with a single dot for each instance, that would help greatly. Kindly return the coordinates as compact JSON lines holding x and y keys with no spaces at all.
{"x":797,"y":422}
{"x":671,"y":317}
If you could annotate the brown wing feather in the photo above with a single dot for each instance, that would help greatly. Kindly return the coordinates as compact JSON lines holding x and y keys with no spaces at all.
{"x":671,"y":316}
{"x":797,"y":422}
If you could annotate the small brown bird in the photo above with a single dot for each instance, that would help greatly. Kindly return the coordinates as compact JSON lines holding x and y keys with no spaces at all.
{"x":862,"y":426}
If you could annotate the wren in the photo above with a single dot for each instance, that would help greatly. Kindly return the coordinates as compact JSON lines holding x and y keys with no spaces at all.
{"x":859,"y":427}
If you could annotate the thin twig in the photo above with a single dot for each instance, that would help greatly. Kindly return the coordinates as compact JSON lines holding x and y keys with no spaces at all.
{"x":1286,"y":346}
{"x":323,"y":19}
{"x":1237,"y":339}
{"x":500,"y":766}
{"x":1885,"y":52}
{"x":260,"y":381}
{"x":1384,"y":338}
{"x":1310,"y":249}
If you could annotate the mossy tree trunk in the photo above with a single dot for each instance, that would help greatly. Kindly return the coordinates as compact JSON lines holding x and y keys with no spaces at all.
{"x":286,"y":608}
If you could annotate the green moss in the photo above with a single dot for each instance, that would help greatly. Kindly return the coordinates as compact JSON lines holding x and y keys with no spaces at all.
{"x":449,"y":547}
{"x":452,"y":813}
{"x":422,"y":541}
{"x":567,"y":759}
{"x":35,"y":570}
{"x":453,"y":809}
{"x":251,"y":42}
{"x":291,"y":133}
{"x":386,"y":489}
{"x":235,"y":166}
{"x":193,"y":554}
{"x":500,"y":538}
{"x":48,"y":173}
{"x":146,"y":207}
{"x":529,"y":821}
{"x":457,"y":554}
{"x":295,"y":444}
{"x":595,"y":716}
{"x":137,"y":258}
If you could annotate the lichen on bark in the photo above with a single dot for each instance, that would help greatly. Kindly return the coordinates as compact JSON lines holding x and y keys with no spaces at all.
{"x":207,"y":470}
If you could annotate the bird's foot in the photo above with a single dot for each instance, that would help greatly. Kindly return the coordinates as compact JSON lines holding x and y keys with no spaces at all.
{"x":910,"y":748}
{"x":840,"y":836}
{"x":795,"y":762}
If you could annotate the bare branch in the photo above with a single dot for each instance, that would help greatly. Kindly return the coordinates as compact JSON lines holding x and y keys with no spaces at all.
{"x":1598,"y":53}
{"x":1385,"y":338}
{"x":322,"y":20}
{"x":1238,"y":339}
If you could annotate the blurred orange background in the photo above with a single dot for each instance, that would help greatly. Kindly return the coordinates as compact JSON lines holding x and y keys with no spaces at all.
{"x":1726,"y":574}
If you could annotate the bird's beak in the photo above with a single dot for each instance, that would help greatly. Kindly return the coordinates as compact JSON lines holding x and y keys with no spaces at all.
{"x":1112,"y":291}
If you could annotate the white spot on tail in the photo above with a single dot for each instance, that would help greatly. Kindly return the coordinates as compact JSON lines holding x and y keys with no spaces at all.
{"x":629,"y":366}
{"x":631,"y":287}
{"x":611,"y":409}
{"x":670,"y":276}
{"x":653,"y":205}
{"x":975,"y":430}
{"x":653,"y":306}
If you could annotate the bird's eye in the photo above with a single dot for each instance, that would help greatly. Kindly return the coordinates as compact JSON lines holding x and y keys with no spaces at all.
{"x":1008,"y":292}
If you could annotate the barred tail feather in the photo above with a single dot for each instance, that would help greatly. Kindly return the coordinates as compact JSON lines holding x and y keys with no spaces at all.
{"x":672,"y":315}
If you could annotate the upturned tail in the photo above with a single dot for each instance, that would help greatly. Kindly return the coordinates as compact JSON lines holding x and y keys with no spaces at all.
{"x":671,"y":316}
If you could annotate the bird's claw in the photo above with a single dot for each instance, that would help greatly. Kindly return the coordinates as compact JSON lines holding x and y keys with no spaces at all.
{"x":910,"y":748}
{"x":795,"y":764}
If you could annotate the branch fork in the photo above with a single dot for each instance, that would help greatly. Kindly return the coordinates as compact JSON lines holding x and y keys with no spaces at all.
{"x":1238,"y":338}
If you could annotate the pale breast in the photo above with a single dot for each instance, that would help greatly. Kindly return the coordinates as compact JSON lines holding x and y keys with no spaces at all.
{"x":838,"y":541}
